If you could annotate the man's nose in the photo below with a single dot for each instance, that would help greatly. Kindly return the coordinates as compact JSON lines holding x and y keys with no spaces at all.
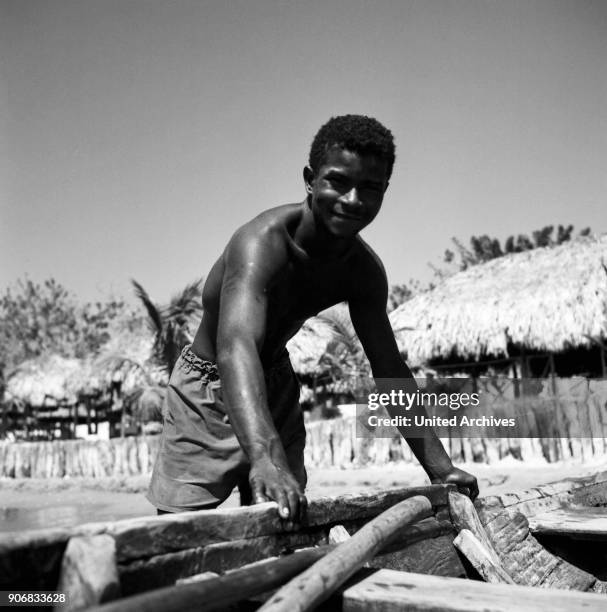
{"x":351,"y":198}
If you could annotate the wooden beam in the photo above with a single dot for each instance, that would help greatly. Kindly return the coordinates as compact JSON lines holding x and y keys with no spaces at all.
{"x":147,"y":536}
{"x":408,"y":551}
{"x":481,"y":558}
{"x":464,"y":516}
{"x":142,"y":538}
{"x":319,"y":581}
{"x":218,"y":593}
{"x":391,"y":591}
{"x":577,"y":522}
{"x":88,"y":572}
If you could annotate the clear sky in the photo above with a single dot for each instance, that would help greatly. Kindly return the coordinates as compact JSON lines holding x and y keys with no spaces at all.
{"x":136,"y":135}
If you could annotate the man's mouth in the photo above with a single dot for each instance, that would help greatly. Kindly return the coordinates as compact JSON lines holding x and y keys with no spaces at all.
{"x":347,"y":216}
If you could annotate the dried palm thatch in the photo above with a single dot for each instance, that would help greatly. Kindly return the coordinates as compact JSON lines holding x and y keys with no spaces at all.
{"x":308,"y":346}
{"x":49,"y":379}
{"x":547,"y":299}
{"x":53,"y":379}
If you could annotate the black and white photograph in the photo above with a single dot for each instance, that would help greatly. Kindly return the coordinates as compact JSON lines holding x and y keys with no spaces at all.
{"x":303,"y":305}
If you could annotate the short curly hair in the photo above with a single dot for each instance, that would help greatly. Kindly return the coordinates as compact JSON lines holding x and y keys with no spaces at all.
{"x":358,"y":133}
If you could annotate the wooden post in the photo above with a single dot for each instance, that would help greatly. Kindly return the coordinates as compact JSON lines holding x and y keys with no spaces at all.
{"x":515,"y":378}
{"x":89,"y":574}
{"x":75,"y":419}
{"x":87,"y":403}
{"x":122,"y":415}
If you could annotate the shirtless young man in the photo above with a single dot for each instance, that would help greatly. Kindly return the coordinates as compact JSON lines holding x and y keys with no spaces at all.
{"x":281,"y":268}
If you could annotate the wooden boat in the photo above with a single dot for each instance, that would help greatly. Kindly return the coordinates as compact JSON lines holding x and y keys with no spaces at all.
{"x":552,"y":537}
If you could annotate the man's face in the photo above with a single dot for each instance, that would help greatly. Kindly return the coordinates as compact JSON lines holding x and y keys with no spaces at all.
{"x":347,"y":192}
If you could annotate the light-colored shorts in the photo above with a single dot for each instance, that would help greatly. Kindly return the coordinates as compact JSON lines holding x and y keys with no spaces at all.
{"x":200,"y":460}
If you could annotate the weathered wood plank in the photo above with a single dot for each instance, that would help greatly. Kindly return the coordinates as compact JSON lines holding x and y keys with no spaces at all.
{"x":436,"y":556}
{"x":319,"y":581}
{"x":89,"y":575}
{"x":525,"y":559}
{"x":338,"y":534}
{"x":218,"y":593}
{"x":136,"y":538}
{"x":390,"y":591}
{"x":576,"y":522}
{"x":464,"y":516}
{"x":483,"y":560}
{"x":591,"y":495}
{"x":164,"y":570}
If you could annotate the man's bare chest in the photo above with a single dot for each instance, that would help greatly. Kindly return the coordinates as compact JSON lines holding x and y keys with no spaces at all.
{"x":302,"y":291}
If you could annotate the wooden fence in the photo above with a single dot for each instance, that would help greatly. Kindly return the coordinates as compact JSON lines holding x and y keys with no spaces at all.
{"x":578,"y":431}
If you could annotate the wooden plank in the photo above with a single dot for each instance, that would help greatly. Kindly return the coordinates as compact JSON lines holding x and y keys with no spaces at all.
{"x":575,"y":522}
{"x":143,"y":537}
{"x":317,"y":583}
{"x":338,"y":534}
{"x":464,"y":516}
{"x":483,"y":560}
{"x":88,"y":572}
{"x":525,"y":559}
{"x":436,"y":556}
{"x":163,"y":570}
{"x":591,"y":495}
{"x":390,"y":591}
{"x":218,"y":593}
{"x":32,"y":558}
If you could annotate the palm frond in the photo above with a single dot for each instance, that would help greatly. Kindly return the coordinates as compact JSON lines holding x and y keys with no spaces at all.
{"x":154,"y":314}
{"x":187,"y":303}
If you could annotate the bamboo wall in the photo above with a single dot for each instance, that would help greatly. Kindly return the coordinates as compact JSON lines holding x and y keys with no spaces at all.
{"x":581,"y":410}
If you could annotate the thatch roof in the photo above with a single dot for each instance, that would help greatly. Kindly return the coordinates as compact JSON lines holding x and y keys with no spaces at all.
{"x":308,"y":346}
{"x":53,"y":379}
{"x":47,"y":379}
{"x":547,"y":299}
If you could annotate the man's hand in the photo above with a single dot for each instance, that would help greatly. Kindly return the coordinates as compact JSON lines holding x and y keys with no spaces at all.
{"x":272,"y":481}
{"x":466,"y":483}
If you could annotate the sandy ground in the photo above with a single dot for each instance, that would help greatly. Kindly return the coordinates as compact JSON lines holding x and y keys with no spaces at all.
{"x":37,"y":503}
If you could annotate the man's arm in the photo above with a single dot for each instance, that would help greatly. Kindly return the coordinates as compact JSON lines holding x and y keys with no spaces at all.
{"x":370,"y":320}
{"x":250,"y":263}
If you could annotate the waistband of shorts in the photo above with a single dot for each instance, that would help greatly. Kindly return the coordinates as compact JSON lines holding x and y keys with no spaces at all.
{"x":210,"y":370}
{"x":191,"y":361}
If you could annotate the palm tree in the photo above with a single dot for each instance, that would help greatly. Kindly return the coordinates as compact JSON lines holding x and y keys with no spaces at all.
{"x":344,"y":361}
{"x":173,"y":325}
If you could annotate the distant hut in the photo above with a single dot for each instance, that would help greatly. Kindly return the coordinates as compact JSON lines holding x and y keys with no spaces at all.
{"x":308,"y":346}
{"x":52,"y":396}
{"x":544,"y":310}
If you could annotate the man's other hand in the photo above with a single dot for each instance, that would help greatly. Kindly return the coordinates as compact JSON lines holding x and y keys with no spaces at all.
{"x":271,"y":481}
{"x":466,"y":483}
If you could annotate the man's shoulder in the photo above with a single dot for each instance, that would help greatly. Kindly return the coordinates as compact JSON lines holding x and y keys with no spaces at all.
{"x":264,"y":236}
{"x":269,"y":223}
{"x":367,"y":260}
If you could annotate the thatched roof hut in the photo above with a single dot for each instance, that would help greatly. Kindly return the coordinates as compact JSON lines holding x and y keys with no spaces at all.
{"x":53,"y":379}
{"x":47,"y":379}
{"x":308,"y":346}
{"x":549,"y":299}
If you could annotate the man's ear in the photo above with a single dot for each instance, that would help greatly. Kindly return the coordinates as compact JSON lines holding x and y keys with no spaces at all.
{"x":308,"y":176}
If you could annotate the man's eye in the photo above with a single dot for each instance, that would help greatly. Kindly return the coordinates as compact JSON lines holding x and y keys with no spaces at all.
{"x":337,"y":181}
